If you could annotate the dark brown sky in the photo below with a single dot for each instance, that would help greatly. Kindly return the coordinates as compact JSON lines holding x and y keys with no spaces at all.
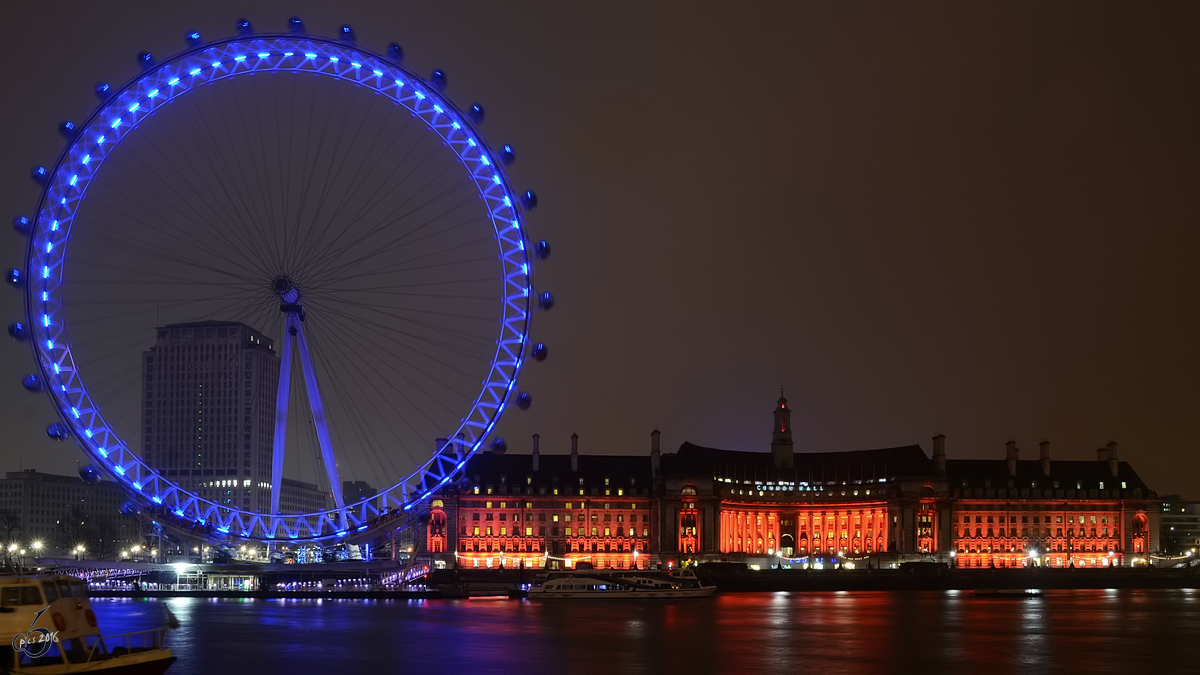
{"x":972,"y":219}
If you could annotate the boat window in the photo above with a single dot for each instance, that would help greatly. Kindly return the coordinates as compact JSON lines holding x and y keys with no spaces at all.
{"x":51,"y":591}
{"x":12,"y":596}
{"x":79,"y":590}
{"x":52,"y":656}
{"x":64,"y":588}
{"x":75,"y":650}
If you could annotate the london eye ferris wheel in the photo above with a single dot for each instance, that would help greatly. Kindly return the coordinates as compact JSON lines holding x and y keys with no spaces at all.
{"x":287,"y":255}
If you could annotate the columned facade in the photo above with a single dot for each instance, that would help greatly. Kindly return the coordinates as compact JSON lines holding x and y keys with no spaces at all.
{"x":877,"y":507}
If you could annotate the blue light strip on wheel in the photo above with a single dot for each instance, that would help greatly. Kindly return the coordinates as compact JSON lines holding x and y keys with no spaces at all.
{"x":122,"y":112}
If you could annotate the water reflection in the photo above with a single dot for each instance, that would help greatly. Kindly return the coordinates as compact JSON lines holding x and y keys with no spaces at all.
{"x":1060,"y":632}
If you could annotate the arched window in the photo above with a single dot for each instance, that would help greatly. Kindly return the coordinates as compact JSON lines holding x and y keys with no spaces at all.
{"x":435,"y":531}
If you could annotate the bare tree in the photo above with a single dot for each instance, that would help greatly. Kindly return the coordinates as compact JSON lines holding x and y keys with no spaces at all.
{"x":73,"y":530}
{"x":10,"y":526}
{"x":102,"y":541}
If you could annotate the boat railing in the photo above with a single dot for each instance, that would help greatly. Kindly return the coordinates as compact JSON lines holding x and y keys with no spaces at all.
{"x":115,"y":646}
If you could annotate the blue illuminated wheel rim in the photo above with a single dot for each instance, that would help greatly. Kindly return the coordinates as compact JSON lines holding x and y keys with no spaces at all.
{"x":91,"y":144}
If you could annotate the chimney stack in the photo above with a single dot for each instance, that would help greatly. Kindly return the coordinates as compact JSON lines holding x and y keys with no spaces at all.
{"x":1045,"y":458}
{"x":655,"y":456}
{"x":1112,"y":459}
{"x":575,"y":452}
{"x":939,"y":454}
{"x":536,"y":455}
{"x":1101,"y":454}
{"x":1011,"y":452}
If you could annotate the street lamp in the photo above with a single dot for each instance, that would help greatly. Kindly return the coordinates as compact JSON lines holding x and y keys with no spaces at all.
{"x":37,"y":547}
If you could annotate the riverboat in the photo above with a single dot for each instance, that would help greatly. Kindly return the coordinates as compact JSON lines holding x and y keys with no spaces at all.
{"x":47,"y":627}
{"x":613,"y":584}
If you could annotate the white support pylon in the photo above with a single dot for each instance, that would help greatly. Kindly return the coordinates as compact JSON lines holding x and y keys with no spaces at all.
{"x":294,"y":330}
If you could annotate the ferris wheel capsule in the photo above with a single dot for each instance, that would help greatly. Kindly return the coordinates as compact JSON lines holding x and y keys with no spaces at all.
{"x":438,"y":79}
{"x":546,"y":301}
{"x":15,"y":278}
{"x":103,"y":91}
{"x":244,"y":27}
{"x":347,"y":34}
{"x":540,"y":351}
{"x":18,"y":332}
{"x":193,"y":39}
{"x":58,"y":431}
{"x":22,"y":225}
{"x":295,"y":25}
{"x":524,"y":400}
{"x":129,"y":508}
{"x":39,"y":174}
{"x":395,"y":52}
{"x":145,"y":60}
{"x":476,"y":113}
{"x":32,"y":383}
{"x":542,"y":251}
{"x":499,"y":445}
{"x":507,"y":155}
{"x":529,"y":200}
{"x":68,"y":130}
{"x":89,"y":474}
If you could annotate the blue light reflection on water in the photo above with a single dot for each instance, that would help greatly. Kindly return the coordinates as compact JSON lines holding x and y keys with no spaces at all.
{"x":1063,"y":631}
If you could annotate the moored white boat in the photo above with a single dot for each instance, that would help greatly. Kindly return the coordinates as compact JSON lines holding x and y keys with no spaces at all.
{"x":53,"y":631}
{"x":613,"y":584}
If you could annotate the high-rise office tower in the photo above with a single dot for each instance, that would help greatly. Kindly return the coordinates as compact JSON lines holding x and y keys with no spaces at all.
{"x":208,"y":410}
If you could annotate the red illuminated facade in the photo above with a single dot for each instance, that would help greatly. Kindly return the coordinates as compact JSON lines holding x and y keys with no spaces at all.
{"x":783,"y":507}
{"x":1018,"y":513}
{"x":435,"y":533}
{"x":552,"y":510}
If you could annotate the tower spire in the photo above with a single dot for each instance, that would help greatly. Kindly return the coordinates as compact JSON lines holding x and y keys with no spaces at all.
{"x":781,"y":436}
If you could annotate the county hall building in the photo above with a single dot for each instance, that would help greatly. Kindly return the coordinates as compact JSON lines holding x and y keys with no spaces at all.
{"x":876,"y":507}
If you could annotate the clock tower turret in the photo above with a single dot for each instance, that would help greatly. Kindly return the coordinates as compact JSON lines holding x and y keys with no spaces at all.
{"x":781,"y":437}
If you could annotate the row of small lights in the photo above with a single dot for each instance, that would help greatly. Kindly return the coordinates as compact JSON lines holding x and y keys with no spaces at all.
{"x":759,"y":484}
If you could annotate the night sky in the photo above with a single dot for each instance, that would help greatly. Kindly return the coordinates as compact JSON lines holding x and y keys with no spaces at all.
{"x":977,"y":220}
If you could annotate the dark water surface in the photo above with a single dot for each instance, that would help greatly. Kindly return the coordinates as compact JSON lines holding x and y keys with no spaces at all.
{"x":868,"y":632}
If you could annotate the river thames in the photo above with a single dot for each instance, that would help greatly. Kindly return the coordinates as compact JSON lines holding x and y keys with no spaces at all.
{"x":868,"y":632}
